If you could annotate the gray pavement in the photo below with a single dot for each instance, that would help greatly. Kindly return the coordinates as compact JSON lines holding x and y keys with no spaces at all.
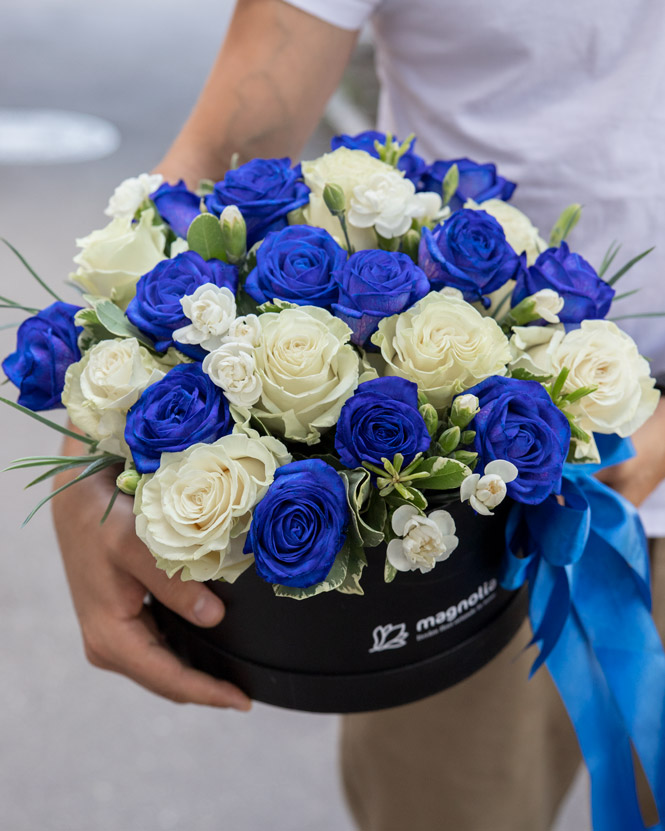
{"x":83,"y":750}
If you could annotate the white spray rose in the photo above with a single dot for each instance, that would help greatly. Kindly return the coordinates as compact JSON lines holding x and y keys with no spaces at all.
{"x":388,"y":202}
{"x":113,"y":258}
{"x":244,"y":329}
{"x":128,"y":197}
{"x":104,"y":384}
{"x":548,"y":304}
{"x":348,"y":169}
{"x":424,"y":540}
{"x":308,"y":370}
{"x":489,"y":490}
{"x":444,"y":345}
{"x":233,"y":368}
{"x":199,"y":500}
{"x":212,"y":310}
{"x":520,"y":232}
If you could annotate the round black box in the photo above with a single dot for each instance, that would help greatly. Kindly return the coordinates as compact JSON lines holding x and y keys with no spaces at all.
{"x":339,"y":653}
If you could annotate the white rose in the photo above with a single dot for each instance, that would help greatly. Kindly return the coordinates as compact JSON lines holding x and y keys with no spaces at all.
{"x":601,"y":355}
{"x":444,"y":345}
{"x":489,"y":490}
{"x":245,"y":329}
{"x":198,"y":500}
{"x":113,"y":258}
{"x":104,"y":384}
{"x":427,"y":207}
{"x":520,"y":232}
{"x":233,"y":368}
{"x":348,"y":169}
{"x":308,"y":370}
{"x":212,"y":310}
{"x":425,"y":540}
{"x":128,"y":197}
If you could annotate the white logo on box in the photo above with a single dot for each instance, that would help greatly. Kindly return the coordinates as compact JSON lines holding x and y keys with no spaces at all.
{"x":390,"y":636}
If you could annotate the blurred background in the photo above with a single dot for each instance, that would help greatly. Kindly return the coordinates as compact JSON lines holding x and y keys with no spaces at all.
{"x":90,"y":94}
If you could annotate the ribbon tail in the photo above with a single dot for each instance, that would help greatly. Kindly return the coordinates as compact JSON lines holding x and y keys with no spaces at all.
{"x":603,"y":740}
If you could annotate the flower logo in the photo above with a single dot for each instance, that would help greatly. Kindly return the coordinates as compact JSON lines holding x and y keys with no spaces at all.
{"x":390,"y":636}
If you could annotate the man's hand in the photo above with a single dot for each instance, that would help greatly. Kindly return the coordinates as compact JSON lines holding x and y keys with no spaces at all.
{"x":639,"y":476}
{"x":109,"y":572}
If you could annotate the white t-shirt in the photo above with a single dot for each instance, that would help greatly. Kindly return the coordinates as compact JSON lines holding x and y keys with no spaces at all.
{"x":568,"y":99}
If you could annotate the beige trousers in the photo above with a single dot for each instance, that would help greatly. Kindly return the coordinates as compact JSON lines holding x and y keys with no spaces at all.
{"x":494,"y":753}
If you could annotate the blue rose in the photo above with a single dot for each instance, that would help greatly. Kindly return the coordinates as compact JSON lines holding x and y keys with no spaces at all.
{"x":518,"y":422}
{"x":46,"y":345}
{"x":469,"y":252}
{"x":413,"y":165}
{"x":585,"y":295}
{"x":300,"y":524}
{"x":182,"y":409}
{"x":264,"y":190}
{"x":476,"y":181}
{"x":376,"y":284}
{"x":177,"y":206}
{"x":296,"y":264}
{"x":379,"y":420}
{"x":156,"y":309}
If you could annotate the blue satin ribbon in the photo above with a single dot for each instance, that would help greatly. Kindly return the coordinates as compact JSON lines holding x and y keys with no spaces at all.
{"x":587,"y":566}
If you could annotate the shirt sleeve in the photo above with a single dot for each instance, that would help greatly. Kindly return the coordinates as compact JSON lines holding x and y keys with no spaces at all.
{"x":347,"y":14}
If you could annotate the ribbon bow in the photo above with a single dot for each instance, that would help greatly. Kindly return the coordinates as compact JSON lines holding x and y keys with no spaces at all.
{"x":587,"y":566}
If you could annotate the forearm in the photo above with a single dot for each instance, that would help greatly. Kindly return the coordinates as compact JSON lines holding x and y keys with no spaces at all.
{"x":267,"y":90}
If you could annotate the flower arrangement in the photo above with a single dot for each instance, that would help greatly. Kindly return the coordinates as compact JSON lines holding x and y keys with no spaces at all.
{"x":294,"y":363}
{"x":300,"y":369}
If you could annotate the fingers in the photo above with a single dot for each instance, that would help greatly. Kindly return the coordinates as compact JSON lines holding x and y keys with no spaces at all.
{"x":136,"y":651}
{"x":191,"y":600}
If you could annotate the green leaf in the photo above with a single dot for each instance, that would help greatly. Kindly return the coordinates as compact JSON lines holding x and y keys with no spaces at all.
{"x":54,"y":471}
{"x":565,"y":223}
{"x":109,"y":507}
{"x":354,"y":571}
{"x":635,"y":316}
{"x":558,"y":384}
{"x":275,"y":306}
{"x":31,"y":270}
{"x":418,"y":500}
{"x":335,"y":578}
{"x":115,"y":321}
{"x":445,"y":474}
{"x":522,"y":374}
{"x":389,"y":572}
{"x":624,"y":295}
{"x":95,"y":467}
{"x":367,"y":509}
{"x":245,"y":305}
{"x":450,"y":184}
{"x":48,"y":422}
{"x":205,"y":237}
{"x":608,"y":259}
{"x":572,"y":397}
{"x":10,"y":304}
{"x":619,"y":274}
